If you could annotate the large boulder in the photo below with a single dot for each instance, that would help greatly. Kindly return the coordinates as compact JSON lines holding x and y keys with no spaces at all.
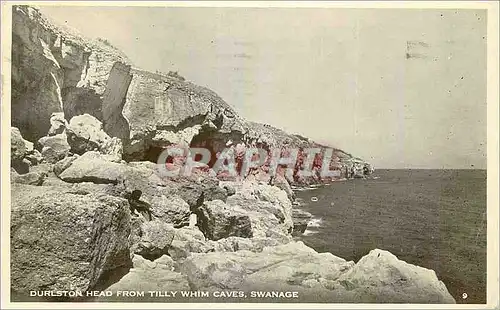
{"x":171,"y":209}
{"x":268,"y":207}
{"x":193,"y":190}
{"x":146,"y":276}
{"x":18,"y":147}
{"x":58,"y":124}
{"x":279,"y":266}
{"x":378,"y":277}
{"x":217,"y":220}
{"x":66,"y":241}
{"x":30,"y":178}
{"x":54,"y":148}
{"x":64,"y":163}
{"x":381,"y":277}
{"x":85,"y":133}
{"x":155,"y":239}
{"x":94,"y":167}
{"x":188,"y":240}
{"x":18,"y":150}
{"x":180,"y":111}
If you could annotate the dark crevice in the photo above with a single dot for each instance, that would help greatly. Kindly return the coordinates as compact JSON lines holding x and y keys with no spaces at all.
{"x":153,"y":153}
{"x":152,"y":256}
{"x":186,"y":123}
{"x":91,"y":179}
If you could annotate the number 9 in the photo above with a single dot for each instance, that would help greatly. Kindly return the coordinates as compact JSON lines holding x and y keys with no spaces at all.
{"x":464,"y":295}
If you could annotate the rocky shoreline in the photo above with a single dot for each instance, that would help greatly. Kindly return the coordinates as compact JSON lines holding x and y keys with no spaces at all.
{"x":87,"y":130}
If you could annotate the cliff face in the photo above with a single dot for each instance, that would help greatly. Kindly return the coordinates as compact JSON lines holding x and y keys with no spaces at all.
{"x":162,"y":110}
{"x":57,"y":71}
{"x":54,"y":71}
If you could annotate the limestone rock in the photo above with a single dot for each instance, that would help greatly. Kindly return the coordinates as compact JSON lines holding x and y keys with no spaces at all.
{"x":382,"y":277}
{"x":34,"y":157}
{"x":378,"y":277}
{"x":177,"y":115}
{"x":85,"y":133}
{"x":36,"y":176}
{"x":212,"y":190}
{"x":43,"y":168}
{"x":48,"y":59}
{"x":18,"y":149}
{"x":209,"y":188}
{"x":30,"y":178}
{"x":94,"y":167}
{"x":58,"y":124}
{"x":155,"y":239}
{"x":64,"y":163}
{"x":157,"y":275}
{"x":230,"y":190}
{"x":113,"y":147}
{"x":217,"y":220}
{"x":268,"y":207}
{"x":188,"y":240}
{"x":76,"y":238}
{"x":281,"y":183}
{"x":233,"y":244}
{"x":54,"y":148}
{"x":171,"y":210}
{"x":164,"y":262}
{"x":279,"y":266}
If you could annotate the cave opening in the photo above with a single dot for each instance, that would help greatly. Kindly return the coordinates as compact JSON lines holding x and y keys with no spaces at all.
{"x":153,"y":153}
{"x":205,"y":139}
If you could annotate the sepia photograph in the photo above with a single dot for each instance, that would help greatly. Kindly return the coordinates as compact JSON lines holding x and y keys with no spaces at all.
{"x":295,"y":154}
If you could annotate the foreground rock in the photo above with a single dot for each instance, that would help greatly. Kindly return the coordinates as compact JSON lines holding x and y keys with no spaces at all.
{"x":381,"y":277}
{"x":154,"y":239}
{"x":94,"y":167}
{"x":171,"y":210}
{"x":58,"y":124}
{"x":30,"y":178}
{"x":54,"y":148}
{"x":148,"y":276}
{"x":268,"y":207}
{"x":85,"y":133}
{"x":17,"y":145}
{"x":188,"y":240}
{"x":217,"y":220}
{"x":378,"y":277}
{"x":19,"y":149}
{"x":66,"y":241}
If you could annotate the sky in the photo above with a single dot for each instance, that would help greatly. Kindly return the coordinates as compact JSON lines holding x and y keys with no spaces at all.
{"x":400,"y":88}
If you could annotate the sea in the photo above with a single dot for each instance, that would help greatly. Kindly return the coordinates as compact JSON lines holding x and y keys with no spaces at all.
{"x":431,"y":218}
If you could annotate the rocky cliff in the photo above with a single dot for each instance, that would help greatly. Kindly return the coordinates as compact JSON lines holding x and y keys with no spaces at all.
{"x":56,"y":71}
{"x":91,"y":211}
